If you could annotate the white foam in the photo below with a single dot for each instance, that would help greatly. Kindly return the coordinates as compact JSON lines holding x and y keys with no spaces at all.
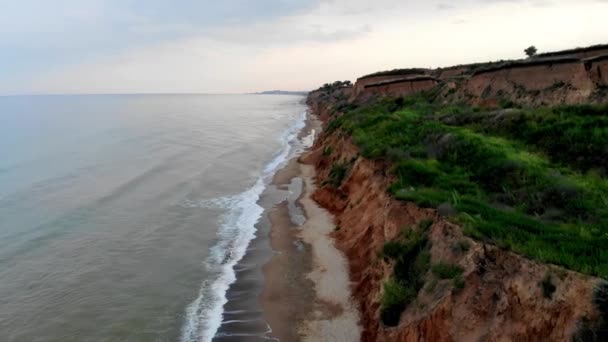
{"x":225,"y":202}
{"x":309,"y":140}
{"x":204,"y":314}
{"x":287,"y":150}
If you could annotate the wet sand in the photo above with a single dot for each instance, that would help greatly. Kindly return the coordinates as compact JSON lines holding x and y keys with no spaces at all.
{"x":306,"y":295}
{"x":244,"y":318}
{"x":302,"y":291}
{"x":288,"y":294}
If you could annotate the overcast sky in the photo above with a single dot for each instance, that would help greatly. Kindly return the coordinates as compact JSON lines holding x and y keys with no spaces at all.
{"x":225,"y":46}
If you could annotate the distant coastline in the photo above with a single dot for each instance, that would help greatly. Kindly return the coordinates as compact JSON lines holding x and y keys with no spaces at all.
{"x":281,"y":92}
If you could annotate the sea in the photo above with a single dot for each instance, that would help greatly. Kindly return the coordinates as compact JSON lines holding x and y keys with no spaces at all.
{"x":126,"y":217}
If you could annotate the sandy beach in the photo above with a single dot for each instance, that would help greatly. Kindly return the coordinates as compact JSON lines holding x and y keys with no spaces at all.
{"x":306,"y":295}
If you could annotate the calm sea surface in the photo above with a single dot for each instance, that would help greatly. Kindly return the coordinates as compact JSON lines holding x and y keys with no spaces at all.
{"x":122,"y":216}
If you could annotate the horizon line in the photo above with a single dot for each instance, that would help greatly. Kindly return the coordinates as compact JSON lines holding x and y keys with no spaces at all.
{"x":145,"y":93}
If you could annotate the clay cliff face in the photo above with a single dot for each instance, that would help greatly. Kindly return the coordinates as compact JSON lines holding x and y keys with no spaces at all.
{"x":403,"y":87}
{"x":448,"y":73}
{"x":549,"y":83}
{"x":568,"y":77}
{"x":362,"y":83}
{"x":501,"y":299}
{"x":598,"y":70}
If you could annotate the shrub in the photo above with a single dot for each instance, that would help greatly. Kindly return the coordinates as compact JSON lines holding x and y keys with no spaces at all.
{"x":327,"y":151}
{"x":392,"y":249}
{"x":531,"y":51}
{"x":506,"y":103}
{"x":459,"y":282}
{"x":425,"y":197}
{"x":595,"y":331}
{"x":331,"y":87}
{"x":425,"y":224}
{"x":463,"y":246}
{"x":410,"y":253}
{"x":446,"y":271}
{"x":547,"y":286}
{"x":582,"y":109}
{"x":395,"y":298}
{"x":332,"y":126}
{"x":600,"y":299}
{"x":337,"y":173}
{"x":415,"y":171}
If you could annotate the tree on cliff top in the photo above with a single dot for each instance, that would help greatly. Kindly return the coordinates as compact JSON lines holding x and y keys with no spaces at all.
{"x":531,"y":51}
{"x":329,"y":87}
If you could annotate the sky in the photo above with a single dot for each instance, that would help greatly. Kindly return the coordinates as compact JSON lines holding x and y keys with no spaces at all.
{"x":234,"y":46}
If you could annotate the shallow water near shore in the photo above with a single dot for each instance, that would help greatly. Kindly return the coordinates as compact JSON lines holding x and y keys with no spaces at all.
{"x":123,"y":216}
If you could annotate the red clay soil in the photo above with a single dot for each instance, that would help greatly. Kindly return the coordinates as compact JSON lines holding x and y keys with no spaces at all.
{"x":538,"y":81}
{"x":501,"y":300}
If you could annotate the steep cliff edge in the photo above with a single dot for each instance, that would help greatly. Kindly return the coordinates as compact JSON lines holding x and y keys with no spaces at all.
{"x":564,"y":77}
{"x":498,"y":295}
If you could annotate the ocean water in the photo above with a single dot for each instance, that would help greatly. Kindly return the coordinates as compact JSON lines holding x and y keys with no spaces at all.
{"x":122,"y":217}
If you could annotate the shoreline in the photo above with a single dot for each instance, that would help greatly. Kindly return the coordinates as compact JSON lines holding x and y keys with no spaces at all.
{"x":306,"y":292}
{"x":242,"y":317}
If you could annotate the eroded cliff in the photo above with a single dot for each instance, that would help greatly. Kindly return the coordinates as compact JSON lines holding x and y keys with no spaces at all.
{"x":501,"y":295}
{"x":563,"y":77}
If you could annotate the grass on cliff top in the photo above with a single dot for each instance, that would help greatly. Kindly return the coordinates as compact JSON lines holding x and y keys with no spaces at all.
{"x":508,"y":189}
{"x":575,"y":136}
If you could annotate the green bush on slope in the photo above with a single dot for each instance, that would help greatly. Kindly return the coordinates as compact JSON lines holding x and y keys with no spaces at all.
{"x":446,"y":271}
{"x":571,"y":135}
{"x":504,"y":190}
{"x":337,"y":173}
{"x":411,"y":257}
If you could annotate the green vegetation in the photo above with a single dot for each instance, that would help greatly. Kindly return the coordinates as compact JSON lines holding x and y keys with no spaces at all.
{"x":532,"y":182}
{"x":446,"y":271}
{"x":395,"y":297}
{"x":531,"y":51}
{"x":462,"y":246}
{"x":411,"y":257}
{"x":425,"y":224}
{"x":330,"y":87}
{"x":547,"y":286}
{"x":398,"y":72}
{"x":327,"y":151}
{"x":597,"y":330}
{"x":573,"y":136}
{"x":337,"y":173}
{"x":575,"y":50}
{"x":459,"y":282}
{"x":600,"y":299}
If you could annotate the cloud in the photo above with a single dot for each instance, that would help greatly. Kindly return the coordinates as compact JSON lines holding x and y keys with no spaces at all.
{"x":297,"y":46}
{"x":443,"y":7}
{"x":286,"y":31}
{"x":460,"y":4}
{"x":51,"y":34}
